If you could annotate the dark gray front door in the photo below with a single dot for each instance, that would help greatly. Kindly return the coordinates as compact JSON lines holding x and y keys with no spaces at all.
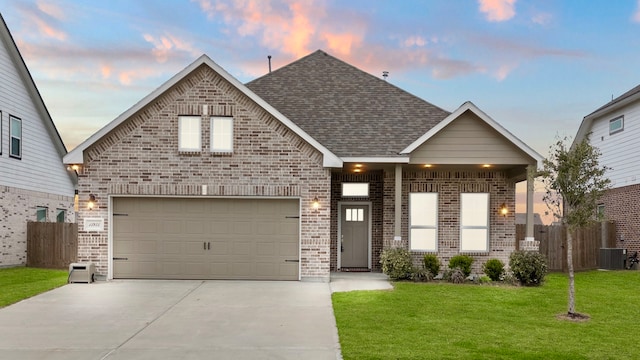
{"x":355,"y":236}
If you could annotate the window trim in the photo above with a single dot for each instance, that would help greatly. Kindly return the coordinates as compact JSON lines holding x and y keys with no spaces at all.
{"x":475,"y":227}
{"x":11,"y":137}
{"x":181,"y":148}
{"x":46,"y":213}
{"x":64,"y":215}
{"x":352,"y":185}
{"x":434,"y":227}
{"x":1,"y":132}
{"x":215,"y":149}
{"x":612,"y":121}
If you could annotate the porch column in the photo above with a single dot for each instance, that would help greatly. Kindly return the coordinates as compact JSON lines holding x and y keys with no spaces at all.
{"x":397,"y":232}
{"x":530,"y":242}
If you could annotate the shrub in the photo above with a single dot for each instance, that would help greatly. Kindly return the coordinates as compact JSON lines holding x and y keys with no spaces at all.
{"x":431,"y":264}
{"x":529,"y":267}
{"x":494,"y":269}
{"x":463,"y":262}
{"x":420,"y":274}
{"x":484,"y":279}
{"x":396,"y":263}
{"x":457,"y":276}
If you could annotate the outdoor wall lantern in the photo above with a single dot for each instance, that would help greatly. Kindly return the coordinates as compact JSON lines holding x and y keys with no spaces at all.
{"x":92,"y":202}
{"x":504,"y":210}
{"x":315,"y":204}
{"x":75,"y":200}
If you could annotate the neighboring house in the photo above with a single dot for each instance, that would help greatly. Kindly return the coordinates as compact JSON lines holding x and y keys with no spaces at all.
{"x":34,"y":183}
{"x":615,"y":131}
{"x":315,"y":167}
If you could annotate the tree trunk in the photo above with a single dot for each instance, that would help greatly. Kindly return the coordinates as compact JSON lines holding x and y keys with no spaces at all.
{"x":572,"y":290}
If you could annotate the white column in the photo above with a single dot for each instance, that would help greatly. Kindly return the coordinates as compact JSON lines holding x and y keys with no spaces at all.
{"x":397,"y":232}
{"x":529,"y":242}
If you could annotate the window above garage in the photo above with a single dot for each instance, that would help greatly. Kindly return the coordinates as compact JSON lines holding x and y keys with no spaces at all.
{"x":189,"y":133}
{"x":221,"y":134}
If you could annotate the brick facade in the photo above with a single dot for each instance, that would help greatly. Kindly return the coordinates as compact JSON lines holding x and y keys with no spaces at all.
{"x":621,"y":205}
{"x":140,"y":157}
{"x":449,"y":185}
{"x":17,"y":207}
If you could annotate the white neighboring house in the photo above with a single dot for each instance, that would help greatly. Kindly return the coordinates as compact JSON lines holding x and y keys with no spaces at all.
{"x":615,"y":131}
{"x":34,"y":183}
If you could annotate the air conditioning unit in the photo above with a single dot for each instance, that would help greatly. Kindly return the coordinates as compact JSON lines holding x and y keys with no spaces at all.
{"x":612,"y":258}
{"x":82,"y":272}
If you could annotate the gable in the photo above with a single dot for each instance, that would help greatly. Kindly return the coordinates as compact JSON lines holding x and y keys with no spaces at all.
{"x":146,"y":143}
{"x":40,"y":166}
{"x":77,"y":155}
{"x":468,"y":140}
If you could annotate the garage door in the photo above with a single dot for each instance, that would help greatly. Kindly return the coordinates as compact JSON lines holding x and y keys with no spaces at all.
{"x":177,"y":238}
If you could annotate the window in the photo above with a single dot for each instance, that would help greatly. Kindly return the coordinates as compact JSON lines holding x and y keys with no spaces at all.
{"x":221,"y":134}
{"x":189,"y":138}
{"x":474,"y":222}
{"x":600,"y":211}
{"x":616,"y":125}
{"x":423,"y":221}
{"x":354,"y":214}
{"x":15,"y":138}
{"x":41,"y":214}
{"x":355,"y":189}
{"x":60,"y":215}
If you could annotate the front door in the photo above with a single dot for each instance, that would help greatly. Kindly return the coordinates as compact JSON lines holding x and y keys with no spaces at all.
{"x":354,"y":240}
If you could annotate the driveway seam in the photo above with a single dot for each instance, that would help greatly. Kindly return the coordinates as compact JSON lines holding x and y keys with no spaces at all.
{"x":152,"y":321}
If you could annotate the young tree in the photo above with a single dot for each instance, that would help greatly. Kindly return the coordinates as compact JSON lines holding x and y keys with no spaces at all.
{"x":574,"y":182}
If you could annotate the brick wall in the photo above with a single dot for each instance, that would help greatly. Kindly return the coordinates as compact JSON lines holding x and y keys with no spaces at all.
{"x":622,"y":206}
{"x":140,"y":157}
{"x":449,"y":185}
{"x":374,"y":178}
{"x":17,"y":206}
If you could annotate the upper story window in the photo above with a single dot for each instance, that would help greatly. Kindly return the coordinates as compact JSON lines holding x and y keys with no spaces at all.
{"x":355,"y":189}
{"x":61,"y":215}
{"x":15,"y":137}
{"x":616,"y":125}
{"x":423,"y":221}
{"x":189,"y":136}
{"x":474,"y":222}
{"x":221,"y":134}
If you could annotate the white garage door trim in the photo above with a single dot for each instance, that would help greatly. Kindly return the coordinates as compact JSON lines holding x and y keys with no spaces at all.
{"x":110,"y":238}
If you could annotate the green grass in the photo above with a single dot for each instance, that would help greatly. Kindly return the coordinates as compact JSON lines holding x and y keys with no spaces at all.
{"x":447,"y":321}
{"x":19,"y":283}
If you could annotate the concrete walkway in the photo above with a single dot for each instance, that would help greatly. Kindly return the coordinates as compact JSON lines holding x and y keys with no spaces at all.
{"x":140,"y":319}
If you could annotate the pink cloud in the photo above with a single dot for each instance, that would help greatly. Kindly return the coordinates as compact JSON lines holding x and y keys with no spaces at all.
{"x":164,"y":45}
{"x":415,"y":40}
{"x":636,"y":14}
{"x":498,"y":10}
{"x":51,"y":9}
{"x":542,"y":18}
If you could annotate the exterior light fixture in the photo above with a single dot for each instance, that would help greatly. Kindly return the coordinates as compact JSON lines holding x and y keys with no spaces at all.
{"x":428,"y":165}
{"x":92,"y":202}
{"x":75,"y":200}
{"x":504,"y":210}
{"x":486,"y":166}
{"x":315,"y":203}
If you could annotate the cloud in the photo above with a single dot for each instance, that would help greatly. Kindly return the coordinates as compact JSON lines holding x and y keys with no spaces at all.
{"x":636,"y":14}
{"x":51,"y":9}
{"x":166,"y":44}
{"x":415,"y":40}
{"x":542,"y":18}
{"x":498,"y":10}
{"x":45,"y":18}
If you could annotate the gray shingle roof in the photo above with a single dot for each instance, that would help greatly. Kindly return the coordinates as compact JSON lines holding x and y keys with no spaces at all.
{"x":349,"y":111}
{"x":627,"y":94}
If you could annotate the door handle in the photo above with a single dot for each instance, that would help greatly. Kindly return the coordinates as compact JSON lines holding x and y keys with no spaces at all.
{"x":205,"y":245}
{"x":209,"y":245}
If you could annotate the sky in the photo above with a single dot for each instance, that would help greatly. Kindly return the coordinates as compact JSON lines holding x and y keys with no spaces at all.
{"x":536,"y":67}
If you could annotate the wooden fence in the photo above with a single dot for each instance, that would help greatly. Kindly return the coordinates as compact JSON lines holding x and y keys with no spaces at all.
{"x":586,"y":244}
{"x":52,"y":245}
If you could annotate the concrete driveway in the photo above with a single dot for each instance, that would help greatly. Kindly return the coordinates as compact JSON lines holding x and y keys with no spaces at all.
{"x":141,"y":319}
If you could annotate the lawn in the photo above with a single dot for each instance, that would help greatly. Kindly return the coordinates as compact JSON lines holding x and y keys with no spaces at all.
{"x":19,"y":283}
{"x":447,"y":321}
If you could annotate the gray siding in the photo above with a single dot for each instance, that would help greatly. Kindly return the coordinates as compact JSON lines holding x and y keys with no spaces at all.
{"x":468,"y":140}
{"x":40,"y":168}
{"x":619,"y":150}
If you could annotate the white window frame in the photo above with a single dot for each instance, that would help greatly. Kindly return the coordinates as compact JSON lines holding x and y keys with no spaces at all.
{"x":189,"y":133}
{"x":617,"y":129}
{"x":474,"y":222}
{"x":221,"y":138}
{"x":17,"y":155}
{"x":355,"y":189}
{"x":423,"y":221}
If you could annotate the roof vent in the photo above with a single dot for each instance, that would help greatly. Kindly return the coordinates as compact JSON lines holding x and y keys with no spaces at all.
{"x":385,"y":74}
{"x":269,"y":57}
